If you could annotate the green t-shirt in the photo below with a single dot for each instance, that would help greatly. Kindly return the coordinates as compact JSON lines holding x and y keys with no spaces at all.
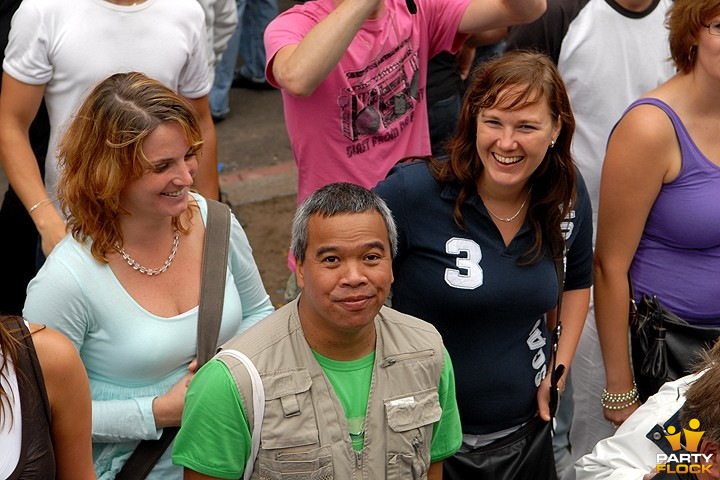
{"x":351,"y":382}
{"x":215,"y":436}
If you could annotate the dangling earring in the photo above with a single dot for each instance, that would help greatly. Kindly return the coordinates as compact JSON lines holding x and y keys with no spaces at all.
{"x":552,"y":143}
{"x":692,"y":53}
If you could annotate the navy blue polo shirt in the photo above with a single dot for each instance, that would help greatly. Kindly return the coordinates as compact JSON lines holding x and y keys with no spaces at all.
{"x":489,"y":310}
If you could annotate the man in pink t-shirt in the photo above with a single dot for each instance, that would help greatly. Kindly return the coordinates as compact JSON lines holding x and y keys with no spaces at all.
{"x":353,"y":76}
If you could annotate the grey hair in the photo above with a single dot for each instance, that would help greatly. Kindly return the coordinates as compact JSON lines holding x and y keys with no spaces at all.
{"x":334,"y":199}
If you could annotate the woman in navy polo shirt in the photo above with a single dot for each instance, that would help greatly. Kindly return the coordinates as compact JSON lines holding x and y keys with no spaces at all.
{"x":478,"y":237}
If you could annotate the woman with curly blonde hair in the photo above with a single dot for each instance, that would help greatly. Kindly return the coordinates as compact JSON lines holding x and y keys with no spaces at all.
{"x":125,"y":286}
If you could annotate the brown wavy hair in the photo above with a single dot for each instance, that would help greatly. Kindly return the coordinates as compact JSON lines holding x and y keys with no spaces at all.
{"x":102,"y":151}
{"x":553,"y":183}
{"x":685,"y":19}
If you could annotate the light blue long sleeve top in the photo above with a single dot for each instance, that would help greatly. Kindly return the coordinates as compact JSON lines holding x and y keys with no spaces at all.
{"x":132,"y":355}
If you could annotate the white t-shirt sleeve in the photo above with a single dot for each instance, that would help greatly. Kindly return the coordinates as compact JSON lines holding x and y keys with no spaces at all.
{"x":27,"y":55}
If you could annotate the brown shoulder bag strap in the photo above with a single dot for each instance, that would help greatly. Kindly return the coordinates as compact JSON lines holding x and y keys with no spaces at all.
{"x":212,"y":293}
{"x":212,"y":290}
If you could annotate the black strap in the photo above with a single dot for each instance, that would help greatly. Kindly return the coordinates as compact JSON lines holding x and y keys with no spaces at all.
{"x":633,"y":316}
{"x":15,"y":326}
{"x":212,"y":293}
{"x":557,"y":371}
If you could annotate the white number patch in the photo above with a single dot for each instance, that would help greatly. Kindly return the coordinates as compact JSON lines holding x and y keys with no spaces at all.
{"x":469,"y":275}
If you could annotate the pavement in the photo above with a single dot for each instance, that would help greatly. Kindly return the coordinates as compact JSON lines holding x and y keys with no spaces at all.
{"x":254,"y":153}
{"x":254,"y":150}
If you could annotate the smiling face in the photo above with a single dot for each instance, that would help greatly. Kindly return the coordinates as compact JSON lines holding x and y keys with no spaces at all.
{"x":346,"y":274}
{"x":163,"y":190}
{"x":512,"y":143}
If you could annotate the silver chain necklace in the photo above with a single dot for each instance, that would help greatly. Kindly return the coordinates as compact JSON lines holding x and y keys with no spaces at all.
{"x":509,"y":219}
{"x":151,"y":271}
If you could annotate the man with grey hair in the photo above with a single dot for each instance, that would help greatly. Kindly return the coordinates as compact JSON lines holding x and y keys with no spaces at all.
{"x":353,"y":389}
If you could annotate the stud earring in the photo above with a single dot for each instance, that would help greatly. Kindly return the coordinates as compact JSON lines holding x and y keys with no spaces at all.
{"x":552,"y":143}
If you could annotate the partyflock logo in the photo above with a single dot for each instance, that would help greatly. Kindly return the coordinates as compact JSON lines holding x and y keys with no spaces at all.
{"x":690,"y":461}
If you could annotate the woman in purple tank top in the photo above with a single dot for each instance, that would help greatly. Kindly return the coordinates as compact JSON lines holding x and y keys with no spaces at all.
{"x":659,"y":213}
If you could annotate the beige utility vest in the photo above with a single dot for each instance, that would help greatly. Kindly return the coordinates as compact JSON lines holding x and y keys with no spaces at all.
{"x":305,"y":432}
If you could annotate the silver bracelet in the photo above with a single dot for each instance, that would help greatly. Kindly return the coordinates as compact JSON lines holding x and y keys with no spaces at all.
{"x":38,"y":205}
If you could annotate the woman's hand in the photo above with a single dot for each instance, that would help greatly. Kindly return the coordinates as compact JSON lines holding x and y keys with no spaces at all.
{"x":192,"y":368}
{"x":168,"y":408}
{"x":617,"y":417}
{"x":543,"y":396}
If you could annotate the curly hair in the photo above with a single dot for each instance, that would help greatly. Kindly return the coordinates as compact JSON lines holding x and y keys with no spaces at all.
{"x":102,"y":151}
{"x":685,"y":19}
{"x":497,"y":82}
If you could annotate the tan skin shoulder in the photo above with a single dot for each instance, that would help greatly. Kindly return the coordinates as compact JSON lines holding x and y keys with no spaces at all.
{"x":68,"y":392}
{"x":644,"y":143}
{"x":58,"y":358}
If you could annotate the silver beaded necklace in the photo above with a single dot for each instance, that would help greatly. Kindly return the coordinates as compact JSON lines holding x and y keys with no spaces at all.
{"x":151,"y":271}
{"x":509,"y":219}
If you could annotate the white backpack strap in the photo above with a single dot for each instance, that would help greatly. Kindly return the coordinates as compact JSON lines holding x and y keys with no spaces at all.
{"x":258,"y":406}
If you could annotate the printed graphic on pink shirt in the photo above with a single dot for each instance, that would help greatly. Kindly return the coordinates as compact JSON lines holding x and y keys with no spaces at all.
{"x":381,"y":100}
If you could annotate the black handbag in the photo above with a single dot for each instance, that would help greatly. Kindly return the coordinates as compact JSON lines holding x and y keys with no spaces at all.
{"x":664,"y":346}
{"x":526,"y":454}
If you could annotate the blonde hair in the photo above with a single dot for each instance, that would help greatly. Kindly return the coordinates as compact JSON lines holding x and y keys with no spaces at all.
{"x":102,"y":150}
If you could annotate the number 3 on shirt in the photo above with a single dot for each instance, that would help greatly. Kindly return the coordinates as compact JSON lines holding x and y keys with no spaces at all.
{"x":469,"y":275}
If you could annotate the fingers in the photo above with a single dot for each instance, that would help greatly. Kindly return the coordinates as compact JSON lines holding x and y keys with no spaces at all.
{"x":193,"y":366}
{"x":618,"y":417}
{"x":543,"y":399}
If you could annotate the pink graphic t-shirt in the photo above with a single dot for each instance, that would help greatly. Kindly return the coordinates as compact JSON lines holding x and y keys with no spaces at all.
{"x":371,"y":109}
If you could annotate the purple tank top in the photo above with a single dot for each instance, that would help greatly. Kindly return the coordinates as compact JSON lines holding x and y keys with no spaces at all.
{"x":678,"y":258}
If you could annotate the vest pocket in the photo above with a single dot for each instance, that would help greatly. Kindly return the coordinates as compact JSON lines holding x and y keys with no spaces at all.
{"x":315,"y":464}
{"x":410,"y":419}
{"x":289,"y":413}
